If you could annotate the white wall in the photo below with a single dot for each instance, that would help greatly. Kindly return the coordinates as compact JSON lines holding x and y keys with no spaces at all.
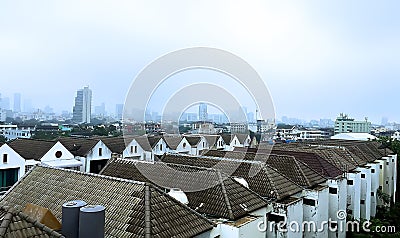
{"x":183,"y":147}
{"x":94,"y":154}
{"x":337,"y":202}
{"x":130,"y":151}
{"x":51,"y":154}
{"x":202,"y":145}
{"x":375,"y":171}
{"x":354,"y":194}
{"x":14,"y":160}
{"x":365,"y":209}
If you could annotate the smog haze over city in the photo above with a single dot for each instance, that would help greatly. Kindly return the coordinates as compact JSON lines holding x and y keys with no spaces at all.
{"x":318,"y":58}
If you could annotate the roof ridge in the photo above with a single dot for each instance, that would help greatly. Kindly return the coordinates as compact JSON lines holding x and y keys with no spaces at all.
{"x":147,"y":212}
{"x":226,"y":198}
{"x":301,"y":171}
{"x":92,"y":174}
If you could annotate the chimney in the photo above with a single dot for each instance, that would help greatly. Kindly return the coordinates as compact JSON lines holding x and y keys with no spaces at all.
{"x":70,"y":218}
{"x":92,"y":221}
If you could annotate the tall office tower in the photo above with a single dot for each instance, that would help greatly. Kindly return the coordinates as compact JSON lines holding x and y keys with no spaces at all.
{"x":83,"y":106}
{"x":17,"y":102}
{"x":119,"y":110}
{"x":203,"y":115}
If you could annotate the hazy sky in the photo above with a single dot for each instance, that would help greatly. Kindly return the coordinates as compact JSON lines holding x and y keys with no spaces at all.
{"x":318,"y":58}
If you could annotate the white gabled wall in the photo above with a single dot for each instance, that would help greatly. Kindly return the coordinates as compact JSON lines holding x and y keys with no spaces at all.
{"x":14,"y":160}
{"x":202,"y":145}
{"x":183,"y":147}
{"x":94,"y":154}
{"x":133,"y":149}
{"x":159,"y":148}
{"x":51,"y":154}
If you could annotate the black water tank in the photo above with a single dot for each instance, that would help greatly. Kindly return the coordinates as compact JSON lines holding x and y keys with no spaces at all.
{"x":92,"y":221}
{"x":70,"y":218}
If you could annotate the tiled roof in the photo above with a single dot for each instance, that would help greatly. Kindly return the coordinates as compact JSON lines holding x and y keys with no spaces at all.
{"x":225,"y":198}
{"x":242,"y":137}
{"x":133,"y":209}
{"x":17,"y":224}
{"x":31,"y":149}
{"x":147,"y":143}
{"x":262,"y":178}
{"x":78,"y":146}
{"x":227,"y":138}
{"x":211,"y":139}
{"x":193,"y":140}
{"x":172,"y":141}
{"x":115,"y":144}
{"x":314,"y":161}
{"x":287,"y":165}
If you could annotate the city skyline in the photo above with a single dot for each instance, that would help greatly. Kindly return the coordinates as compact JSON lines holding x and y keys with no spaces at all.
{"x":317,"y":59}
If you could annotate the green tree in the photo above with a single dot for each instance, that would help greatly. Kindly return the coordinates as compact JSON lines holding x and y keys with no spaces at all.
{"x":2,"y":139}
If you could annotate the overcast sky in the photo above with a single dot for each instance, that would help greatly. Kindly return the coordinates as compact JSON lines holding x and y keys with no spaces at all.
{"x":318,"y":58}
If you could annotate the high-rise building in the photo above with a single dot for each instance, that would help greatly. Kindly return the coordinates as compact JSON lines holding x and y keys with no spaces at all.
{"x":345,"y":124}
{"x":203,"y":115}
{"x":83,"y":106}
{"x":17,"y":102}
{"x":119,"y":110}
{"x":100,"y":110}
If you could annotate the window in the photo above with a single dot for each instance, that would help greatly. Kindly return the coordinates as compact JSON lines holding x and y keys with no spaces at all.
{"x":204,"y":144}
{"x":380,"y":166}
{"x":275,"y":218}
{"x":362,"y":202}
{"x":309,"y":202}
{"x":100,"y":151}
{"x":5,"y":158}
{"x":160,"y":146}
{"x":184,"y":144}
{"x":58,"y":154}
{"x":372,"y":194}
{"x":131,"y":149}
{"x":392,"y":160}
{"x":333,"y":190}
{"x":387,"y":182}
{"x":387,"y":163}
{"x":380,"y":187}
{"x":373,"y":171}
{"x":135,"y":149}
{"x":350,"y":182}
{"x":362,"y":175}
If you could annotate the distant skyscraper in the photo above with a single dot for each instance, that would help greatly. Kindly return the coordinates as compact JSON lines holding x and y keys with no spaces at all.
{"x":83,"y":106}
{"x":119,"y":109}
{"x":100,"y":110}
{"x":17,"y":102}
{"x":203,"y":115}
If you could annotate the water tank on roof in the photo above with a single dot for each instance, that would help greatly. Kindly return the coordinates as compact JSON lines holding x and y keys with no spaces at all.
{"x":179,"y":195}
{"x":242,"y":181}
{"x":92,"y":221}
{"x":70,"y":218}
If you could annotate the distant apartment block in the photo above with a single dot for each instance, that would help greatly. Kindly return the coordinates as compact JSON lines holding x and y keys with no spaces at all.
{"x":83,"y":105}
{"x":345,"y":124}
{"x":203,"y":115}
